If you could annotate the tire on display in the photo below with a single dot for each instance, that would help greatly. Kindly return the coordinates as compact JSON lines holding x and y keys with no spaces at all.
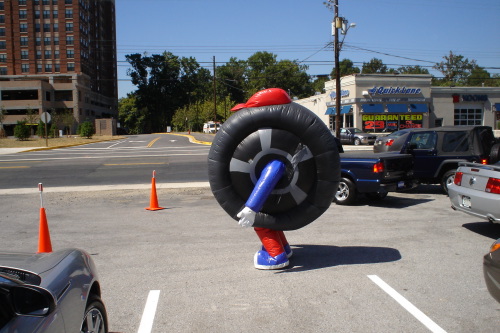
{"x":95,"y":318}
{"x":346,"y":192}
{"x":447,"y":179}
{"x":253,"y":137}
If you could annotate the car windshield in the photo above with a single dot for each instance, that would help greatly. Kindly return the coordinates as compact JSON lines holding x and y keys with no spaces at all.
{"x":357,"y":130}
{"x":398,"y":134}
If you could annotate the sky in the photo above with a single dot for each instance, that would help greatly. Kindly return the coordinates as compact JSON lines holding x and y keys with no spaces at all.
{"x":399,"y":32}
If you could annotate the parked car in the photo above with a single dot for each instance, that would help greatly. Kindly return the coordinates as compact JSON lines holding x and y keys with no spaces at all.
{"x":476,"y":191}
{"x":355,"y":136}
{"x":438,"y":151}
{"x":50,"y":292}
{"x":373,"y":175}
{"x":491,"y":270}
{"x":391,"y":142}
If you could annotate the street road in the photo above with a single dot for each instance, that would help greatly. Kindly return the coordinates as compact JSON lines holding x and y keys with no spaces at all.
{"x":128,"y":161}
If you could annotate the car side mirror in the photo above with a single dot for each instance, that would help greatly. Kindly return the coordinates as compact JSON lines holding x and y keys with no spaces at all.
{"x":32,"y":300}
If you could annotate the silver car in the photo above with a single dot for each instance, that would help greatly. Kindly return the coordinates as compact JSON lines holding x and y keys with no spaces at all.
{"x":476,"y":190}
{"x":50,"y":292}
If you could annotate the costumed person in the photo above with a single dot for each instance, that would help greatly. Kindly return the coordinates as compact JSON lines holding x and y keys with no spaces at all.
{"x":274,"y":166}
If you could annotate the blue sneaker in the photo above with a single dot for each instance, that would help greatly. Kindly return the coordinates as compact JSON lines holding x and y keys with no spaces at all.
{"x":263,"y":260}
{"x":288,"y":250}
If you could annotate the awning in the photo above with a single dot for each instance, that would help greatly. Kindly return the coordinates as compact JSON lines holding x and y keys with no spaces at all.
{"x":497,"y":106}
{"x":345,"y":109}
{"x":421,"y":108}
{"x":397,"y":108}
{"x":372,"y":108}
{"x":330,"y":111}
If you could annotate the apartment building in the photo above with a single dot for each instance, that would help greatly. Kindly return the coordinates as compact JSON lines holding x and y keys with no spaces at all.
{"x":57,"y":56}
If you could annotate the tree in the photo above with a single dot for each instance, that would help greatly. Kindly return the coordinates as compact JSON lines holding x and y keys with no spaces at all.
{"x":455,"y":69}
{"x":131,"y":117}
{"x":67,"y":119}
{"x":412,"y":70}
{"x":374,"y":66}
{"x":22,"y":130}
{"x":86,"y":130}
{"x":346,"y":67}
{"x":479,"y":77}
{"x":162,"y":81}
{"x":3,"y":113}
{"x":231,"y":79}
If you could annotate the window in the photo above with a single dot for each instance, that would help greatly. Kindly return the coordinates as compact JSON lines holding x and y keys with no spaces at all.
{"x":69,"y":13}
{"x":56,"y":40}
{"x":23,"y":13}
{"x":38,"y":68}
{"x":56,"y":27}
{"x":69,"y":40}
{"x":23,"y":27}
{"x":57,"y":68}
{"x":25,"y":68}
{"x":3,"y":45}
{"x":37,"y":27}
{"x":455,"y":141}
{"x":48,"y":68}
{"x":46,"y":14}
{"x":24,"y":41}
{"x":38,"y":54}
{"x":2,"y":32}
{"x":3,"y":70}
{"x":45,"y":2}
{"x":68,"y":2}
{"x":24,"y":54}
{"x":2,"y":18}
{"x":424,"y":140}
{"x":56,"y":54}
{"x":70,"y":54}
{"x":46,"y":41}
{"x":22,"y":2}
{"x":55,"y":14}
{"x":37,"y":14}
{"x":38,"y":41}
{"x":2,"y":6}
{"x":468,"y":116}
{"x":69,"y":26}
{"x":46,"y":27}
{"x":71,"y":67}
{"x":48,"y":54}
{"x":3,"y":58}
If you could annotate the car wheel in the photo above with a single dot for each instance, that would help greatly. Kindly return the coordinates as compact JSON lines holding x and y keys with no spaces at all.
{"x":495,"y":153}
{"x":447,"y":179}
{"x":95,"y":319}
{"x":357,"y":141}
{"x":346,"y":192}
{"x":376,"y":195}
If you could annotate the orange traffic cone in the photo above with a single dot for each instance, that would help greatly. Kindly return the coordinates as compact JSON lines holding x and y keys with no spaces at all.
{"x":44,"y":244}
{"x":153,"y":201}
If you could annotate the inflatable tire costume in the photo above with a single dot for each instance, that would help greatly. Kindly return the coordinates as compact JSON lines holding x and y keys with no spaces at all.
{"x":276,"y":162}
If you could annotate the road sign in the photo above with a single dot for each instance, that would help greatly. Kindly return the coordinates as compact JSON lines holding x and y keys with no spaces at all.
{"x":45,"y":117}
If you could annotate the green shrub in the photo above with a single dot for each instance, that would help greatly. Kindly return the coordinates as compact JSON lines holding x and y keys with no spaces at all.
{"x":54,"y":131}
{"x":40,"y":130}
{"x":86,"y":130}
{"x":22,"y":131}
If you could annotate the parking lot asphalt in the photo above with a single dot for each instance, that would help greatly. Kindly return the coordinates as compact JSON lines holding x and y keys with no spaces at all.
{"x":200,"y":262}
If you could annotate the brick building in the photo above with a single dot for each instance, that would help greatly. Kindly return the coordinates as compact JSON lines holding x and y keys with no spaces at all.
{"x":58,"y":56}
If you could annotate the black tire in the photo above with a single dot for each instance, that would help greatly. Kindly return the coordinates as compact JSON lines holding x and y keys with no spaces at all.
{"x":346,"y":192}
{"x":494,"y":153}
{"x":376,"y":195}
{"x":357,"y":141}
{"x":250,"y":139}
{"x":95,"y":318}
{"x":448,"y":178}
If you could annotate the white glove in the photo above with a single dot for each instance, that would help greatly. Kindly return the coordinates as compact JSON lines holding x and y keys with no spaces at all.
{"x":247,"y":217}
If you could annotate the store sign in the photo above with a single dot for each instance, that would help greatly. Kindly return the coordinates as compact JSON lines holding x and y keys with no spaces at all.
{"x":343,"y":93}
{"x":394,"y":91}
{"x":474,"y":98}
{"x":393,"y":122}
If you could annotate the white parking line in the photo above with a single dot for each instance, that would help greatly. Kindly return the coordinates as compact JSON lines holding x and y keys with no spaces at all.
{"x":148,"y":315}
{"x":432,"y":326}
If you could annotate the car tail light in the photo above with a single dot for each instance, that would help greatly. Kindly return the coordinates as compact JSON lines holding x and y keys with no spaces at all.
{"x":389,"y":142}
{"x":484,"y":161}
{"x":495,"y":246}
{"x":378,"y":167}
{"x":493,"y":186}
{"x":458,"y":178}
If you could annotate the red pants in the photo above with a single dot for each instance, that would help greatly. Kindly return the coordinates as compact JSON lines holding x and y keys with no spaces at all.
{"x":274,"y":241}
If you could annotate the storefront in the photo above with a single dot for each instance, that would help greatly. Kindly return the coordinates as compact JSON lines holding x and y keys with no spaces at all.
{"x":386,"y":103}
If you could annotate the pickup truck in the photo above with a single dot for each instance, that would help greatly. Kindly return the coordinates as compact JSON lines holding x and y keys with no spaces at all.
{"x":438,"y":151}
{"x":373,"y":174}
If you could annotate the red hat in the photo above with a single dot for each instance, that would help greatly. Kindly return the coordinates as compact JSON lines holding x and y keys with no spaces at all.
{"x":271,"y":96}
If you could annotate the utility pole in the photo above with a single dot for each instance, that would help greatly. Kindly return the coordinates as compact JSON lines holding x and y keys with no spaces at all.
{"x":215,"y":99}
{"x":338,"y":25}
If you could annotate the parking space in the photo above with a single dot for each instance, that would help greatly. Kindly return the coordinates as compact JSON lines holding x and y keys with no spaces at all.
{"x":197,"y":264}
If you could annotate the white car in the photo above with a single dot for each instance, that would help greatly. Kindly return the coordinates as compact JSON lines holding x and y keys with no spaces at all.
{"x":476,"y":190}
